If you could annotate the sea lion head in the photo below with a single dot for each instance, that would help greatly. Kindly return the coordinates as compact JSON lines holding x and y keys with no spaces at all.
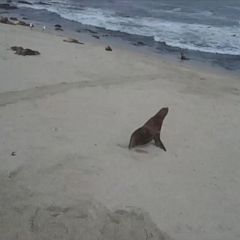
{"x":163,"y":112}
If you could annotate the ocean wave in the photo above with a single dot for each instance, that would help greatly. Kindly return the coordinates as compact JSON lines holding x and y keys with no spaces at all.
{"x":200,"y":37}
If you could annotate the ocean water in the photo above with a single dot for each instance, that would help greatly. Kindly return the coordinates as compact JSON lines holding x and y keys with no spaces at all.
{"x":206,"y":25}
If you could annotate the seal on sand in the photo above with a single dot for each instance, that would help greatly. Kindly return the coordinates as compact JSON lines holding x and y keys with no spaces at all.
{"x":149,"y":131}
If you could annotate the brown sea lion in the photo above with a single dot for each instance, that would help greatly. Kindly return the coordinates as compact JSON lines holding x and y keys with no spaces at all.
{"x":149,"y":131}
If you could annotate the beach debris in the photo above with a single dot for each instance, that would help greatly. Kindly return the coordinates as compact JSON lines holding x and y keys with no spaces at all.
{"x":24,"y":51}
{"x":24,"y":2}
{"x":72,"y":40}
{"x":139,"y":43}
{"x":96,"y":36}
{"x":149,"y":131}
{"x":108,"y":48}
{"x":7,"y":6}
{"x":5,"y":20}
{"x":183,"y":57}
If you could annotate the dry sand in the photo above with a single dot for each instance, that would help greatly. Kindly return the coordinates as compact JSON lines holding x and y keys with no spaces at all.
{"x":66,"y":117}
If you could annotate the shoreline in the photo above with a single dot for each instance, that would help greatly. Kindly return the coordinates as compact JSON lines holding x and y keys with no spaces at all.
{"x":218,"y":62}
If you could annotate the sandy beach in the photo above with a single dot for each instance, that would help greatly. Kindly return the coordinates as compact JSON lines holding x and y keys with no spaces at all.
{"x":66,"y":117}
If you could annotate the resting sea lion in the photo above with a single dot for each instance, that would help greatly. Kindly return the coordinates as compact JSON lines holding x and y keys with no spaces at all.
{"x":149,"y":131}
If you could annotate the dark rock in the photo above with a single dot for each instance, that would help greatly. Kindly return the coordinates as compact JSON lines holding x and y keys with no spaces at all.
{"x":72,"y":40}
{"x":7,"y":6}
{"x":139,"y":44}
{"x":25,"y":2}
{"x":13,"y":154}
{"x":108,"y":48}
{"x":14,"y":18}
{"x":5,"y":20}
{"x":234,"y":35}
{"x":24,"y":51}
{"x":96,"y":36}
{"x":57,"y":26}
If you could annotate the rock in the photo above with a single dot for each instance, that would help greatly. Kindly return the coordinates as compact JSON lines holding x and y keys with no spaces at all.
{"x":57,"y":26}
{"x":7,"y":6}
{"x":24,"y":51}
{"x":72,"y":40}
{"x":96,"y":36}
{"x":25,"y":2}
{"x":108,"y":48}
{"x":5,"y":20}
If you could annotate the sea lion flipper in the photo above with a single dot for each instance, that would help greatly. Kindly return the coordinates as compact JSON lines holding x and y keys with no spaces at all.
{"x":158,"y":142}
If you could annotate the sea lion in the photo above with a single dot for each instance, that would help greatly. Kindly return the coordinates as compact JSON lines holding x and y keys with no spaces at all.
{"x":183,"y":57}
{"x":149,"y":131}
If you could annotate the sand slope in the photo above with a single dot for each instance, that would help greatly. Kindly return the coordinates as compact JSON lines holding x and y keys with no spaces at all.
{"x":68,"y":115}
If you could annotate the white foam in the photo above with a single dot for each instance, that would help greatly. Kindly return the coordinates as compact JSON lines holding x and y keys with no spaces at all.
{"x":190,"y":36}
